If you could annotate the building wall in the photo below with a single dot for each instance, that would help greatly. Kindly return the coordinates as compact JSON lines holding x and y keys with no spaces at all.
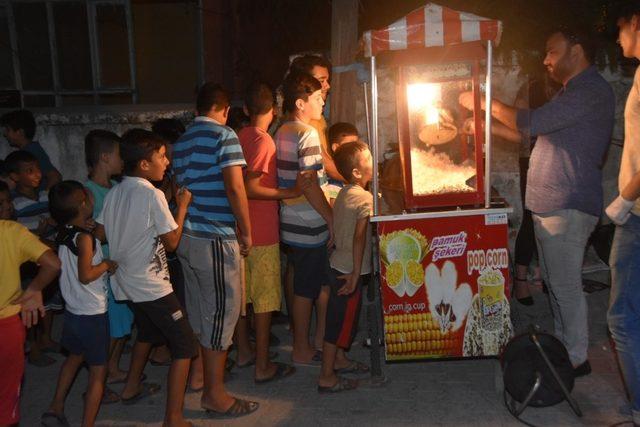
{"x":61,"y":131}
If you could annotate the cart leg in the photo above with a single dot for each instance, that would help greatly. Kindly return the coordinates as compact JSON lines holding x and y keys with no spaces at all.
{"x":373,"y":326}
{"x":498,"y":379}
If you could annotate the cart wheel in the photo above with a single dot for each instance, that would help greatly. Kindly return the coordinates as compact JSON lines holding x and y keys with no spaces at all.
{"x":498,"y":379}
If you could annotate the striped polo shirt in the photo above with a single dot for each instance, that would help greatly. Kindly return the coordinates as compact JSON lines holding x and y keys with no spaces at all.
{"x":29,"y":212}
{"x":298,"y":149}
{"x":199,"y":156}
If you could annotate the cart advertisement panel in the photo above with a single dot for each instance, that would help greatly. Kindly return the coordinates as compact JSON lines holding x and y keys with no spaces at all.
{"x":444,"y":286}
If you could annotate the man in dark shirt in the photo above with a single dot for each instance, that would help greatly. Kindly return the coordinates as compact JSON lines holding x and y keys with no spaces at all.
{"x":564,"y":189}
{"x":19,"y":130}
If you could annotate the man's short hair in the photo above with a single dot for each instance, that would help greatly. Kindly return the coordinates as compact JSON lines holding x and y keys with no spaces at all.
{"x":345,"y":158}
{"x":20,"y":119}
{"x":626,"y":9}
{"x":339,"y":130}
{"x":138,"y":145}
{"x":14,"y":161}
{"x":579,"y":35}
{"x":305,"y":64}
{"x":62,"y":206}
{"x":99,"y":142}
{"x":298,"y":86}
{"x":210,"y":95}
{"x":258,"y":99}
{"x":168,"y":129}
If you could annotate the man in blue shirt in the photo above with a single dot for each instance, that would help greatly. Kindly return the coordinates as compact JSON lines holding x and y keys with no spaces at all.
{"x":208,"y":161}
{"x":564,"y":189}
{"x":19,"y":130}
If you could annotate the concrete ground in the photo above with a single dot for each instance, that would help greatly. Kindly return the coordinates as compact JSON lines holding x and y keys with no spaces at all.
{"x":445,"y":393}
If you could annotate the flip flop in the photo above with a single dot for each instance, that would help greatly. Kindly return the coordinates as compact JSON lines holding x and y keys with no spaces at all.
{"x":51,"y":419}
{"x":240,"y":408}
{"x":251,"y":362}
{"x":282,"y":371}
{"x":124,"y":380}
{"x":148,"y":389}
{"x":343,"y":384}
{"x":108,"y":397}
{"x":354,"y":367}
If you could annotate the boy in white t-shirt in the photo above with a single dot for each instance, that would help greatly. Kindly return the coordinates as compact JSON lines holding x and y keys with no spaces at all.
{"x":83,"y":283}
{"x":140,"y":228}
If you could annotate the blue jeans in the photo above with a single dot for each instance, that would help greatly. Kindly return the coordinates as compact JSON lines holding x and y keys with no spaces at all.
{"x":624,"y":305}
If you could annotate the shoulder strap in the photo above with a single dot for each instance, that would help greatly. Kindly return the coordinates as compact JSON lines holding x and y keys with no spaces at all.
{"x":66,"y":236}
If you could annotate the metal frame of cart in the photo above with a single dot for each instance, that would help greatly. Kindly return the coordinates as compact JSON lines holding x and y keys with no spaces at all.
{"x":412,"y":32}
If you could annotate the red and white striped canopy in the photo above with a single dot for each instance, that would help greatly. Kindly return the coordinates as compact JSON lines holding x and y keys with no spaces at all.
{"x":430,"y":26}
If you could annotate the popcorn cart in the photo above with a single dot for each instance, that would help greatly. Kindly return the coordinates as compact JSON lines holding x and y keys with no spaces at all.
{"x":442,"y":242}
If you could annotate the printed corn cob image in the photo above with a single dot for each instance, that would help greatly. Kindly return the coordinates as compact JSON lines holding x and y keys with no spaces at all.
{"x":418,"y":335}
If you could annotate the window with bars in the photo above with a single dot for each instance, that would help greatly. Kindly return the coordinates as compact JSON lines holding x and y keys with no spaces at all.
{"x":82,"y":52}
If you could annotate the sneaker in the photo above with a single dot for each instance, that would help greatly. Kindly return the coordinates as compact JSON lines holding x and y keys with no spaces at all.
{"x":582,"y":369}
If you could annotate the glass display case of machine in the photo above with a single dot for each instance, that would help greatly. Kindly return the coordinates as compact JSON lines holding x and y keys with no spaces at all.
{"x":440,"y":142}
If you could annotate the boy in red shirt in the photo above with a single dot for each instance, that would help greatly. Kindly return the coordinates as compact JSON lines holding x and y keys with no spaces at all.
{"x":262,"y":266}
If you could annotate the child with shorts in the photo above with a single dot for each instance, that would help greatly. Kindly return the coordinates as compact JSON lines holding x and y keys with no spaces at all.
{"x":338,"y":135}
{"x":18,"y":245}
{"x":262,"y":265}
{"x":102,"y":156}
{"x":139,"y":227}
{"x":306,"y":223}
{"x":350,"y":263}
{"x":83,"y":283}
{"x":32,"y":210}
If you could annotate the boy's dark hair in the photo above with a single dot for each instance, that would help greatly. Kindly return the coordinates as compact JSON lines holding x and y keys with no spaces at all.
{"x":13,"y":162}
{"x":298,"y":86}
{"x":339,"y":130}
{"x":4,"y":187}
{"x":210,"y":95}
{"x":168,"y":129}
{"x":98,"y":142}
{"x":258,"y":99}
{"x":138,"y":145}
{"x":20,"y":119}
{"x":61,"y":205}
{"x":305,"y":63}
{"x":626,"y":9}
{"x":345,"y":158}
{"x":579,"y":35}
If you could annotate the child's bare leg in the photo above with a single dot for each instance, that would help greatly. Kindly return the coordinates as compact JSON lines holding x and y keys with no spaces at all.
{"x":95,"y":390}
{"x":139,"y":357}
{"x":68,"y":373}
{"x":341,"y":360}
{"x":44,"y":338}
{"x":245,"y":352}
{"x":196,"y":373}
{"x":115,"y":353}
{"x":288,"y":293}
{"x":177,"y":381}
{"x":264,"y":367}
{"x":160,"y":354}
{"x":321,"y":316}
{"x":328,"y":377}
{"x":215,"y":395}
{"x":302,"y":350}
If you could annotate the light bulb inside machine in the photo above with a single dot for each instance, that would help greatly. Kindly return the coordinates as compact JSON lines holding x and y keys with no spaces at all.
{"x":425,"y":97}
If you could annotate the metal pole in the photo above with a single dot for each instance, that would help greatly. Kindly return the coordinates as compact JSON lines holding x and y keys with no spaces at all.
{"x":13,"y":39}
{"x":132,"y":51}
{"x":53,"y":48}
{"x":373,"y":143}
{"x":366,"y":110}
{"x":487,"y":128}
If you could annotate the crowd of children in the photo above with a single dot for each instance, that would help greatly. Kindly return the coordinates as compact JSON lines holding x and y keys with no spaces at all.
{"x":172,"y":232}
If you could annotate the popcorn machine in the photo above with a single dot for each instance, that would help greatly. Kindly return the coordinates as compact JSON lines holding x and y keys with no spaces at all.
{"x":443,"y":258}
